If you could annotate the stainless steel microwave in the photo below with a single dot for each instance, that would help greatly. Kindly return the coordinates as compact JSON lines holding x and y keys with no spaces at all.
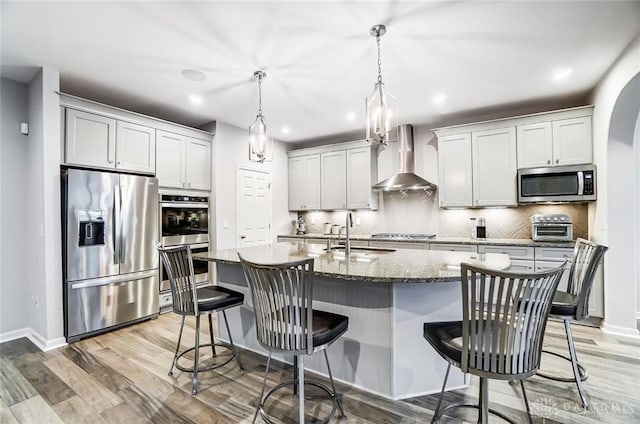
{"x":572,"y":183}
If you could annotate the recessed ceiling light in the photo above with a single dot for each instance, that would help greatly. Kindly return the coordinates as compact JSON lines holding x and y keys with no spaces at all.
{"x":351,"y":116}
{"x":285,"y":130}
{"x":194,"y":75}
{"x":195,"y":99}
{"x":439,"y":99}
{"x":562,"y":74}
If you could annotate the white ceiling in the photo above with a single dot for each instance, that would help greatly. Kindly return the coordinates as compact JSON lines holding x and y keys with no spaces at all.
{"x":319,"y":56}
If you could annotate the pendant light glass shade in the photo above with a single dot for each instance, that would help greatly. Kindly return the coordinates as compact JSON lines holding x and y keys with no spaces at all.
{"x":259,"y":140}
{"x":382,"y":116}
{"x":382,"y":107}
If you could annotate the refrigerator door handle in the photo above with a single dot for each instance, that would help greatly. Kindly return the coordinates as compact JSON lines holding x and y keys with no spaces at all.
{"x":123,"y":246}
{"x":117,"y":224}
{"x":114,"y":280}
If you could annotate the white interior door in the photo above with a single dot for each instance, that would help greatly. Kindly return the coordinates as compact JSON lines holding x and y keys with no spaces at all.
{"x":253,"y":207}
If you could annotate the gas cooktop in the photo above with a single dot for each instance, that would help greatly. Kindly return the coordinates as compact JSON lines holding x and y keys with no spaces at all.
{"x":402,"y":236}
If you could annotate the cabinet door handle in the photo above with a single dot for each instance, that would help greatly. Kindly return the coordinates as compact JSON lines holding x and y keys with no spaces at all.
{"x":118,"y":163}
{"x":557,"y":160}
{"x":549,"y":162}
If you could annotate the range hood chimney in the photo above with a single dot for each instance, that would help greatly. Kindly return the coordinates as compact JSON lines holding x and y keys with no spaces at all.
{"x":405,"y":179}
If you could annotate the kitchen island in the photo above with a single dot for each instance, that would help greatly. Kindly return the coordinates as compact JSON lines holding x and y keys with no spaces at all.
{"x":386,"y":294}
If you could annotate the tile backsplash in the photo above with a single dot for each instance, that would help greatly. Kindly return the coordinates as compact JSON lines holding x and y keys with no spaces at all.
{"x":418,"y":212}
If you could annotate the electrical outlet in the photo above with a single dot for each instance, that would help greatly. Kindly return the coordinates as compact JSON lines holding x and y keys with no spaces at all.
{"x":313,"y":219}
{"x":225,"y":223}
{"x":357,"y":221}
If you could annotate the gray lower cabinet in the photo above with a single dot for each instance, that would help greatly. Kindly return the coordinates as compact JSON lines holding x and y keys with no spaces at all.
{"x":452,"y":247}
{"x":522,"y":257}
{"x":399,"y":245}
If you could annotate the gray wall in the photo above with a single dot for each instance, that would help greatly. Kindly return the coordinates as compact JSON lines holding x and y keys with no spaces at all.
{"x":231,"y":148}
{"x":13,"y":186}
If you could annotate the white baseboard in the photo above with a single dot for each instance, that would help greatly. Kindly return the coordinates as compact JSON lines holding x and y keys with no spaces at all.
{"x":616,"y":330}
{"x":15,"y":334}
{"x":35,"y":338}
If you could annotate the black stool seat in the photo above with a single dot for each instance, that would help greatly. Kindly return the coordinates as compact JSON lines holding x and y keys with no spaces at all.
{"x":446,"y":339}
{"x":565,"y":304}
{"x":211,"y":298}
{"x":327,"y":327}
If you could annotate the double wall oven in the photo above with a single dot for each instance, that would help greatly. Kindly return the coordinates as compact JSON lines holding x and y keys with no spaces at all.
{"x":184,"y":220}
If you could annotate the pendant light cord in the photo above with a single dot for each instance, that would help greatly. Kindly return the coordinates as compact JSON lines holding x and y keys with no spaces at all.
{"x":259,"y":95}
{"x":379,"y":60}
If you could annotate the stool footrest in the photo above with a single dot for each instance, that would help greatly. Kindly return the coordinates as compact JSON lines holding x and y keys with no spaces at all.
{"x":270,"y":420}
{"x":232,"y":355}
{"x":436,"y":419}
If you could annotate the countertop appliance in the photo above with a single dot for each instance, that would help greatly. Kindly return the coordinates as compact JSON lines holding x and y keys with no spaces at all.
{"x":573,"y":183}
{"x":110,"y":262}
{"x":184,"y":220}
{"x":402,"y":236}
{"x":555,"y":227}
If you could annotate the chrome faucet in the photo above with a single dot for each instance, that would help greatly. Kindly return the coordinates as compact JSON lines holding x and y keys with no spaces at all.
{"x":347,"y":241}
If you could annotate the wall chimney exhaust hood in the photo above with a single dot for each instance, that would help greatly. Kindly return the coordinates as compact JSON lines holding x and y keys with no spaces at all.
{"x":405,"y":179}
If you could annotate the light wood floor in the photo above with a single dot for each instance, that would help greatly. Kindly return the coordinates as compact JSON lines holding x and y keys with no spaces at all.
{"x":121,"y":377}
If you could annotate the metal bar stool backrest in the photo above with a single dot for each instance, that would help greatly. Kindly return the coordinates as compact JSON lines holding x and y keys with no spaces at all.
{"x":179,"y":266}
{"x":586,"y":257}
{"x":504,"y":316}
{"x":282,"y":300}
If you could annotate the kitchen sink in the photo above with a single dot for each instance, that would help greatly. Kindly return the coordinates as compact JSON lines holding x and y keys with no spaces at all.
{"x":360,"y":249}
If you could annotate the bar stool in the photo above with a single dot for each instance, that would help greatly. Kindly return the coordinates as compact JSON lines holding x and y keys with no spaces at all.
{"x":504,"y":315}
{"x":573,"y":304}
{"x":189,"y":300}
{"x":287,"y":323}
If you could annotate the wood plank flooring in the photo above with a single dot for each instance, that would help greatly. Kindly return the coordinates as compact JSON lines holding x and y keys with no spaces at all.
{"x":121,"y":377}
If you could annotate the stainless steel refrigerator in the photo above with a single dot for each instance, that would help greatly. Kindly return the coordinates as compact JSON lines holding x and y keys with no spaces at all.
{"x":110,"y":232}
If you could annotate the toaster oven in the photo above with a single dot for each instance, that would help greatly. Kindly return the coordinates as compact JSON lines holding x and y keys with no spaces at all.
{"x":551,"y":227}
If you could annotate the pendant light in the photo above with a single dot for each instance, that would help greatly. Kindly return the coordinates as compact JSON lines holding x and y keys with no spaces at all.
{"x":259,"y":140}
{"x":382,"y":109}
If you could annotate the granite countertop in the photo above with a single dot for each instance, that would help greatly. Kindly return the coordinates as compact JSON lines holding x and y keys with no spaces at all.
{"x":441,"y":240}
{"x":397,"y":266}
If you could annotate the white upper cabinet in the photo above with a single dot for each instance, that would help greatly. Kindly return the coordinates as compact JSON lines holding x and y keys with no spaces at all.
{"x":101,"y":136}
{"x":90,"y":139}
{"x":311,"y":167}
{"x":198,"y":164}
{"x":455,"y":188}
{"x":494,"y":167}
{"x":135,"y":147}
{"x":535,"y":145}
{"x":477,"y":169}
{"x":97,"y":141}
{"x":170,"y":159}
{"x":333,"y":180}
{"x":478,"y":162}
{"x":296,"y":184}
{"x":572,"y":142}
{"x":304,"y":182}
{"x":333,"y":177}
{"x":183,"y":162}
{"x":361,"y":172}
{"x":561,"y":142}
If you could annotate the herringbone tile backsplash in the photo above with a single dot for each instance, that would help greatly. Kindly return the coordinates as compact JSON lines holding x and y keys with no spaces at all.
{"x":418,"y":212}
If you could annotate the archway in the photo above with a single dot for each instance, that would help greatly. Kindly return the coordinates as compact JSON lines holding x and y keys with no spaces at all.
{"x":622,"y":288}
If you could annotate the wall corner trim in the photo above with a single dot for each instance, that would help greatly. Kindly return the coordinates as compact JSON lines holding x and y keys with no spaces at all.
{"x":35,"y":338}
{"x":619,"y":331}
